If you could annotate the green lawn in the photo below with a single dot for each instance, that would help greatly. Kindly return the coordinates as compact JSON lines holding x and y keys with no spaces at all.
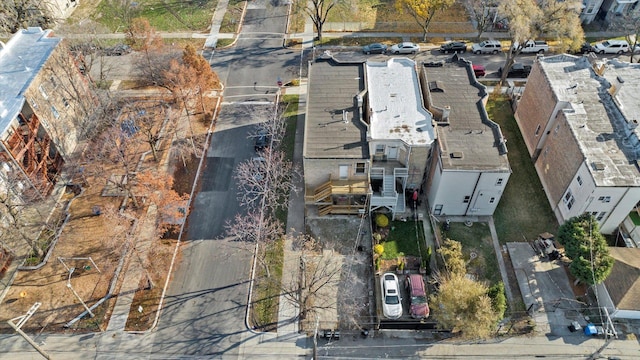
{"x":524,"y":211}
{"x":477,"y":239}
{"x":405,"y":238}
{"x":163,"y":15}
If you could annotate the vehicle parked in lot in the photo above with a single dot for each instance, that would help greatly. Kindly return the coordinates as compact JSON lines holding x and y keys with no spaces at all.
{"x":487,"y":47}
{"x":262,"y":141}
{"x":518,"y":70}
{"x":479,"y":70}
{"x":118,"y":50}
{"x":375,"y":48}
{"x":612,"y":47}
{"x":419,"y":308}
{"x":454,"y":46}
{"x":531,"y":47}
{"x":391,"y":299}
{"x":405,"y":48}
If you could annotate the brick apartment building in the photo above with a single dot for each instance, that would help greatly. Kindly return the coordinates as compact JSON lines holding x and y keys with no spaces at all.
{"x":578,"y":117}
{"x":44,"y":104}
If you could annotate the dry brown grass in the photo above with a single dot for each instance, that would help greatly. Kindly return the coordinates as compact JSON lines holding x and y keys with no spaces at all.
{"x":87,"y":235}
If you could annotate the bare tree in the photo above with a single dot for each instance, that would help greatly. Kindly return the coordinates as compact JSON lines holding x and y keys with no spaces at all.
{"x":20,"y":219}
{"x":19,"y":14}
{"x":141,"y":36}
{"x":318,"y":10}
{"x":320,"y":273}
{"x":482,"y":13}
{"x":263,"y":179}
{"x":255,"y":230}
{"x":530,"y":19}
{"x":629,"y":25}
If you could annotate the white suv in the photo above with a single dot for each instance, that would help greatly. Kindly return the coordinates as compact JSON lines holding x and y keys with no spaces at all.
{"x":487,"y":47}
{"x":612,"y":47}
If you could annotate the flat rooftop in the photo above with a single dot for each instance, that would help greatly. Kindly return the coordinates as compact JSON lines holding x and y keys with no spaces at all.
{"x":604,"y":126}
{"x":333,"y":127}
{"x":21,"y":58}
{"x":397,"y":110}
{"x":470,"y":135}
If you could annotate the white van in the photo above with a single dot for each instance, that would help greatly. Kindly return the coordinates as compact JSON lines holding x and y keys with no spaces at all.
{"x":611,"y":47}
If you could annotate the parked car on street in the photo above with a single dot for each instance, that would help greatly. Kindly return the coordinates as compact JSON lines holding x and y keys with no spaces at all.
{"x":487,"y":47}
{"x":419,"y":308}
{"x":262,"y":141}
{"x":454,"y":46}
{"x":583,"y":49}
{"x":375,"y":48}
{"x":118,"y":50}
{"x":479,"y":70}
{"x":531,"y":47}
{"x":391,"y":299}
{"x":612,"y":47}
{"x":405,"y":48}
{"x":518,"y":70}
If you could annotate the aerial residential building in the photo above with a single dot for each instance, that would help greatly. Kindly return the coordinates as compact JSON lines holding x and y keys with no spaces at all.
{"x":579,"y":119}
{"x":469,"y":168}
{"x":370,"y":133}
{"x":44,"y":100}
{"x":607,"y":10}
{"x":367,"y":135}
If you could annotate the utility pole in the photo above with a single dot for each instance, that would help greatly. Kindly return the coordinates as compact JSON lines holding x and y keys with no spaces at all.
{"x":21,"y":320}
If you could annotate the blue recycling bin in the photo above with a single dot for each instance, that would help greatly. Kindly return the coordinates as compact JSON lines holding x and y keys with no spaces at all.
{"x":590,"y":330}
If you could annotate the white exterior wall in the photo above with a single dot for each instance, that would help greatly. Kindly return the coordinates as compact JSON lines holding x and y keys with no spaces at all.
{"x":587,"y":199}
{"x":626,"y":203}
{"x":590,"y":10}
{"x":449,"y":189}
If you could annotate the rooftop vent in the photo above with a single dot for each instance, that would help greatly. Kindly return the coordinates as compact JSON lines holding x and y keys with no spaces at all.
{"x":598,"y":166}
{"x":456,"y":155}
{"x":436,"y":86}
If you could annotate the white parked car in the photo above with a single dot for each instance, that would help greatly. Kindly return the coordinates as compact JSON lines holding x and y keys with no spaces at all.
{"x":405,"y":48}
{"x":487,"y":47}
{"x":612,"y":47}
{"x":391,"y":299}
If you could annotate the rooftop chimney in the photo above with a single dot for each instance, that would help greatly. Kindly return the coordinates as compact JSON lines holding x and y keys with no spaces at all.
{"x":616,"y":86}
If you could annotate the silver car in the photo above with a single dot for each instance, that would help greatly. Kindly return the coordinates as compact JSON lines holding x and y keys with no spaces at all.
{"x":405,"y":48}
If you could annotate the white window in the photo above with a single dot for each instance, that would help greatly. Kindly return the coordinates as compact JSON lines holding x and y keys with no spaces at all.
{"x":499,"y":182}
{"x":55,"y":112}
{"x":33,"y":102}
{"x":467,"y":199}
{"x":379,"y":149}
{"x":605,"y":199}
{"x":43,"y":92}
{"x":568,"y":199}
{"x":344,"y":172}
{"x":492,"y":200}
{"x":579,"y":180}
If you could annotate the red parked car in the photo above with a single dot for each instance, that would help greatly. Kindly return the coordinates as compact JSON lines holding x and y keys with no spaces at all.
{"x":419,"y":308}
{"x":479,"y":70}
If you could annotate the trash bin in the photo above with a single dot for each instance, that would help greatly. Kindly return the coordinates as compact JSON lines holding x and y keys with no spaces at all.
{"x":575,"y":326}
{"x":590,"y":330}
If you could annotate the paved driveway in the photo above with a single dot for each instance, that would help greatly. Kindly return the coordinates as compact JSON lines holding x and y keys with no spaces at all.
{"x":546,"y":291}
